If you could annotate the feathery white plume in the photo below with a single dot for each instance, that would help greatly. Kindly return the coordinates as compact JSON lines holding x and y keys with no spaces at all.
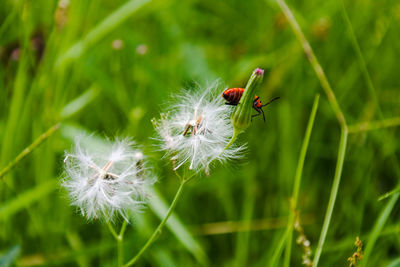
{"x":197,"y":129}
{"x":106,"y":181}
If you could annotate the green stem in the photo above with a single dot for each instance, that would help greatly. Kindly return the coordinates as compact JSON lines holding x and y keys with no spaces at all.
{"x":380,"y":223}
{"x":161,"y":225}
{"x":120,"y":253}
{"x":123,"y":228}
{"x":112,"y":230}
{"x":297,"y":180}
{"x":332,"y":198}
{"x":120,"y":238}
{"x":38,"y":141}
{"x":278,"y":249}
{"x":120,"y":244}
{"x":374,"y":125}
{"x":233,"y":139}
{"x":319,"y":72}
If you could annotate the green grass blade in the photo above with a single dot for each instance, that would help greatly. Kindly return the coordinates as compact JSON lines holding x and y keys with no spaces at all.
{"x":102,"y":29}
{"x":379,"y":224}
{"x":319,"y":71}
{"x":75,"y":242}
{"x":361,"y":59}
{"x":27,"y":198}
{"x":278,"y":250}
{"x":242,"y":250}
{"x":297,"y":179}
{"x":332,"y":198}
{"x":79,"y":103}
{"x":374,"y":125}
{"x":38,"y":141}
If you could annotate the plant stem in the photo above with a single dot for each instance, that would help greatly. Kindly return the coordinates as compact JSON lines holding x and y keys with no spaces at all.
{"x":379,"y":224}
{"x":319,"y":72}
{"x":278,"y":250}
{"x":120,"y":244}
{"x":112,"y":230}
{"x":332,"y":198}
{"x":38,"y":141}
{"x":233,"y":139}
{"x":120,"y":238}
{"x":297,"y":180}
{"x":123,"y":228}
{"x":161,"y":225}
{"x":120,"y":249}
{"x":314,"y":62}
{"x":374,"y":125}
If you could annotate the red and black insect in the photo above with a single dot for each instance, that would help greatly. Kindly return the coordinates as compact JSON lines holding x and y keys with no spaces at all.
{"x":233,"y":96}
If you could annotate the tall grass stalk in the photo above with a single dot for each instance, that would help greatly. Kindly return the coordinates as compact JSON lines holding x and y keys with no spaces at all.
{"x":297,"y":180}
{"x":38,"y":141}
{"x":332,"y":198}
{"x":379,"y":224}
{"x":361,"y":60}
{"x":314,"y":62}
{"x":394,"y":194}
{"x":374,"y":125}
{"x":278,"y":250}
{"x":339,"y":115}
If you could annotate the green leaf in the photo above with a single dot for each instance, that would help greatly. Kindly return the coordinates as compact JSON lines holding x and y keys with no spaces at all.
{"x":27,"y":198}
{"x":80,"y":102}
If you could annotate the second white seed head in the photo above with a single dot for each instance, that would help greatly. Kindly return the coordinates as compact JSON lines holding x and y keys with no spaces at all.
{"x":196,"y":130}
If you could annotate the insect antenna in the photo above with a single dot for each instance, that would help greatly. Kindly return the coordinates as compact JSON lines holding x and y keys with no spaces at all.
{"x":263,"y":112}
{"x":272,"y":100}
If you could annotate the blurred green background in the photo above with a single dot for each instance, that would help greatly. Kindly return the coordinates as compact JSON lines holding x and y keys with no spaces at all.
{"x":110,"y":66}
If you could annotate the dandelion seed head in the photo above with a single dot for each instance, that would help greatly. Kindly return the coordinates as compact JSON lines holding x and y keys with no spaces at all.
{"x":106,"y":181}
{"x":196,"y":130}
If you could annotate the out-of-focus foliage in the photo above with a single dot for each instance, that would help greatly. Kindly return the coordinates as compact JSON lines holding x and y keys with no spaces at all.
{"x":113,"y":80}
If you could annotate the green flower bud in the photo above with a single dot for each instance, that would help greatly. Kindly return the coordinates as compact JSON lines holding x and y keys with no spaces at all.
{"x":241,"y":117}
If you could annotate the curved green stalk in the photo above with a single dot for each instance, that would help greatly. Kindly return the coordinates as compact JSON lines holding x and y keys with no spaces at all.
{"x":38,"y":141}
{"x":112,"y":230}
{"x":233,"y":139}
{"x":332,"y":198}
{"x":160,"y":226}
{"x":297,"y":180}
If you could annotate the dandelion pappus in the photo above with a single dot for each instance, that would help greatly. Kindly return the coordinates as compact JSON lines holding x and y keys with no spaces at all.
{"x":233,"y":96}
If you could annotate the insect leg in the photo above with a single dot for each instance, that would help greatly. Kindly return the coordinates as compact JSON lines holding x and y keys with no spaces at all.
{"x":259,"y":113}
{"x":263,"y":113}
{"x":272,"y":100}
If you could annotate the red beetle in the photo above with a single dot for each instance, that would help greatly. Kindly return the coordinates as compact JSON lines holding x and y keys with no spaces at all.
{"x":233,"y":96}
